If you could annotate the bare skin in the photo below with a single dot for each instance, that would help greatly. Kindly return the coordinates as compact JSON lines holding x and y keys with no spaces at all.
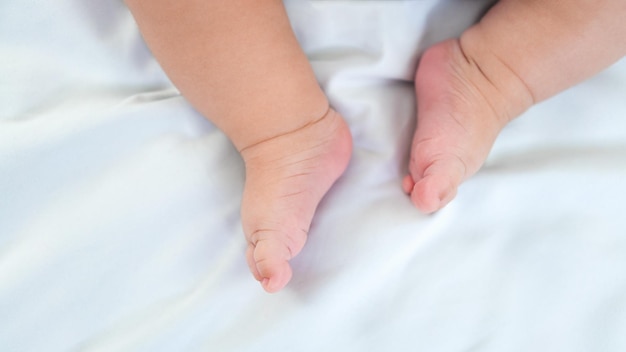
{"x":240,"y":65}
{"x":468,"y":89}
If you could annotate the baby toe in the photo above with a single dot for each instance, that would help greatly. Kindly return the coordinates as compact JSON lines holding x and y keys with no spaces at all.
{"x":437,"y":185}
{"x":432,"y":193}
{"x":408,"y":184}
{"x":268,"y":258}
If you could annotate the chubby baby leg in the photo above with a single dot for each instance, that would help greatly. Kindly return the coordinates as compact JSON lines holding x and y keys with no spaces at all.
{"x":521,"y":52}
{"x":239,"y":64}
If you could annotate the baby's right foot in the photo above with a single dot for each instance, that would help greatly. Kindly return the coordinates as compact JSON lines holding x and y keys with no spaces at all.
{"x":286,"y":177}
{"x":461,"y":110}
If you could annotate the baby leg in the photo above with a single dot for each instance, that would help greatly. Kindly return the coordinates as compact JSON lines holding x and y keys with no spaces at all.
{"x":521,"y":52}
{"x":239,"y":64}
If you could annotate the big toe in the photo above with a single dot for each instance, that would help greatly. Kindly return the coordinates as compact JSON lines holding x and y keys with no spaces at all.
{"x":268,"y":259}
{"x":437,"y":185}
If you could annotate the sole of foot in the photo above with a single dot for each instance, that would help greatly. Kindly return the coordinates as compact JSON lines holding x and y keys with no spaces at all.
{"x":286,"y":178}
{"x":457,"y":124}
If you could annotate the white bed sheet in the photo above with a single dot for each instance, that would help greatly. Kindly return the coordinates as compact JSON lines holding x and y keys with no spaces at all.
{"x":119,"y":223}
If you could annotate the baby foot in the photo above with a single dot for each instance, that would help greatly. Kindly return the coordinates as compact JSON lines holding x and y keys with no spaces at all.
{"x":286,"y":177}
{"x":460,"y":113}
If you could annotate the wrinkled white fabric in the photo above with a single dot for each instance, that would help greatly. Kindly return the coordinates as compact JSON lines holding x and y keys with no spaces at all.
{"x":119,"y":220}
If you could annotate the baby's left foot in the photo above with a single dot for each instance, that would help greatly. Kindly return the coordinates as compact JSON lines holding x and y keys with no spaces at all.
{"x":286,"y":177}
{"x":461,"y":110}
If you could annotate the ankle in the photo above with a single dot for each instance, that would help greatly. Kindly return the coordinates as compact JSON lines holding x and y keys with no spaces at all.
{"x":283,"y":120}
{"x":329,"y":128}
{"x":503,"y":86}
